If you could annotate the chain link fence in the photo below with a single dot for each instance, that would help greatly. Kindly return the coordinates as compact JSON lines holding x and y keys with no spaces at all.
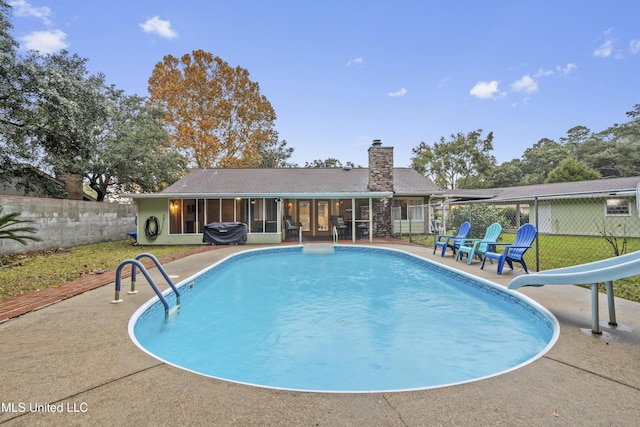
{"x":572,"y":229}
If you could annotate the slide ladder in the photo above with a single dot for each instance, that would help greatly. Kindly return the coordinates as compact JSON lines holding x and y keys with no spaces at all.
{"x":136,"y":263}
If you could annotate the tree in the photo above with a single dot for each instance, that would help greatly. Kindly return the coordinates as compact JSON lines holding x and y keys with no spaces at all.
{"x":481,"y":215}
{"x":71,"y":122}
{"x":326,"y":163}
{"x":275,"y":153}
{"x":541,"y":159}
{"x":215,"y":114}
{"x":130,"y":153}
{"x":507,"y":174}
{"x":570,"y":170}
{"x":13,"y":89}
{"x":462,"y":162}
{"x":630,"y":131}
{"x":620,"y":154}
{"x":8,"y":46}
{"x":576,"y":136}
{"x":67,"y":107}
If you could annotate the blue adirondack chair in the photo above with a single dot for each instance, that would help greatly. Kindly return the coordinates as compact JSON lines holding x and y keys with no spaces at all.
{"x":478,"y":247}
{"x":452,"y":242}
{"x":513,"y":252}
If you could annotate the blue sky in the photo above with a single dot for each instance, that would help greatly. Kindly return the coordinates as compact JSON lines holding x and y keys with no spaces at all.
{"x":342,"y":73}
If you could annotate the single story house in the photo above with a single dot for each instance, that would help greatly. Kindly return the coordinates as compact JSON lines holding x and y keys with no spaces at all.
{"x":26,"y":180}
{"x":277,"y":204}
{"x":579,"y":208}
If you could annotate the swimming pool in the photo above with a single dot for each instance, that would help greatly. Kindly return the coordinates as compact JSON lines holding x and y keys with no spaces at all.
{"x":361,"y":319}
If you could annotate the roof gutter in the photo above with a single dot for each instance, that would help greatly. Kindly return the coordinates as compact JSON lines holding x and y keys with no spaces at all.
{"x":583,"y":194}
{"x":358,"y":195}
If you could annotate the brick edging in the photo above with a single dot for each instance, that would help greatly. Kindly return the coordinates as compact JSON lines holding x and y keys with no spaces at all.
{"x":22,"y":304}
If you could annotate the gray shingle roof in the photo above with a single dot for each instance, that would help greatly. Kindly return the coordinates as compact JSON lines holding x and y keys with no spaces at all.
{"x":294,"y":181}
{"x":525,"y":192}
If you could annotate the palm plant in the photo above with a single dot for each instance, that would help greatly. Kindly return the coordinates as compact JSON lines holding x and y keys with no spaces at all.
{"x":8,"y":229}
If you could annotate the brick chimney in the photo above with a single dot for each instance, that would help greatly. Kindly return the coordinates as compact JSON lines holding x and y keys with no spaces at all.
{"x":73,"y":185}
{"x":381,"y":179}
{"x":380,"y":167}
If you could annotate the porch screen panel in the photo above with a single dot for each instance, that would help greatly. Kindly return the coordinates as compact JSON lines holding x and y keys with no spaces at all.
{"x":189,"y":216}
{"x":271,"y":215}
{"x":362,"y":210}
{"x":323,"y":215}
{"x":213,"y":211}
{"x":228,"y":210}
{"x":200,"y":216}
{"x":304,"y":216}
{"x":256,"y":210}
{"x":175,"y":216}
{"x":242,"y":211}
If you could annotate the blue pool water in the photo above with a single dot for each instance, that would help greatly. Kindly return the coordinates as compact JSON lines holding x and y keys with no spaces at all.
{"x":361,"y":319}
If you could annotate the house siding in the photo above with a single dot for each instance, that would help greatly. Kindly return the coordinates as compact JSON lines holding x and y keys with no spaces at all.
{"x":587,"y":218}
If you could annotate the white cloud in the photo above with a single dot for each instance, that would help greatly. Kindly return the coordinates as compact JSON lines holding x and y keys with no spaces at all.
{"x":567,"y":69}
{"x":485,"y":90}
{"x":543,"y":73}
{"x":401,"y":92}
{"x":45,"y":41}
{"x":604,"y":50}
{"x":444,"y":81}
{"x":23,"y":8}
{"x":634,"y":46}
{"x":159,"y":27}
{"x":558,"y":70}
{"x":355,"y":61}
{"x":526,"y":84}
{"x":606,"y":47}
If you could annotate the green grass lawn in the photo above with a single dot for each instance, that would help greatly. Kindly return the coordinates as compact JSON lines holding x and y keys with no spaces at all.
{"x":21,"y":274}
{"x":562,"y":251}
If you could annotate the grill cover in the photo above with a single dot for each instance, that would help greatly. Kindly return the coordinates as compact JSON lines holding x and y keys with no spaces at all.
{"x":225,"y":233}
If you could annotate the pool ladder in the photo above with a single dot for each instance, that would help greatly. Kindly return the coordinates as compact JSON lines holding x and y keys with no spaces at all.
{"x":136,"y":263}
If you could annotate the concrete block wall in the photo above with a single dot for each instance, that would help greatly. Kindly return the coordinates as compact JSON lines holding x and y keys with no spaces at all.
{"x":63,"y":223}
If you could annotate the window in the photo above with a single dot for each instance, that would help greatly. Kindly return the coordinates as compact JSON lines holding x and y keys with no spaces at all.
{"x":618,"y":207}
{"x":407,"y":208}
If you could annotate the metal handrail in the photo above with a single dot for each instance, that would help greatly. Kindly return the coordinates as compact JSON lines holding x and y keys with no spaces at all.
{"x":136,"y":263}
{"x":160,"y":268}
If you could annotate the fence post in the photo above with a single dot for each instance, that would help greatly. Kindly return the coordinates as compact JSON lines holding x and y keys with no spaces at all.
{"x":410,"y":217}
{"x":535,"y":215}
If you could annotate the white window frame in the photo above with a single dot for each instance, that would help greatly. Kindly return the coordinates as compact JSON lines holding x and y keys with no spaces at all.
{"x":608,"y":209}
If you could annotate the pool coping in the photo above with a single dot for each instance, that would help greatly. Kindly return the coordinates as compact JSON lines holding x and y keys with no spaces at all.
{"x":76,"y":356}
{"x":154,"y":307}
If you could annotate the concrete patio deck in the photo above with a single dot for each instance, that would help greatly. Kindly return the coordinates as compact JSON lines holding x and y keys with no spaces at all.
{"x":73,"y":363}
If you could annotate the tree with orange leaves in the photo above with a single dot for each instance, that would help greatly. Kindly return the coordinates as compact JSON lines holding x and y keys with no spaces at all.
{"x":213,"y":112}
